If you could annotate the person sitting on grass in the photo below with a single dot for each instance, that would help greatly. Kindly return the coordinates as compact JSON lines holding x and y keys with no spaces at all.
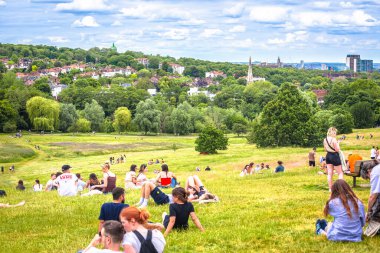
{"x":50,"y":184}
{"x":348,"y":213}
{"x":130,"y":178}
{"x":372,"y":171}
{"x":67,"y":182}
{"x":280,"y":167}
{"x":20,"y":186}
{"x":37,"y":187}
{"x":246,"y":171}
{"x":179,"y":212}
{"x":139,"y":232}
{"x":110,"y":237}
{"x":166,"y":178}
{"x":159,"y":197}
{"x":141,"y":177}
{"x":109,"y":179}
{"x":93,"y":180}
{"x":111,"y":210}
{"x":81,"y":184}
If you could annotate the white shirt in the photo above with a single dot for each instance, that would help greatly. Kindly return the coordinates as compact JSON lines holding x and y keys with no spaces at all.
{"x":37,"y":187}
{"x":129,"y":175}
{"x":67,"y":184}
{"x":375,"y":179}
{"x":158,"y":240}
{"x":49,"y":185}
{"x":81,"y":184}
{"x":96,"y":250}
{"x":373,"y":153}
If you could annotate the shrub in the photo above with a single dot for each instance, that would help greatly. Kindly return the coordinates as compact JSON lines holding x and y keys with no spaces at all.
{"x":210,"y":140}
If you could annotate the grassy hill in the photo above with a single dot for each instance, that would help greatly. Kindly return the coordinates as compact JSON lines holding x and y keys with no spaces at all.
{"x":261,"y":213}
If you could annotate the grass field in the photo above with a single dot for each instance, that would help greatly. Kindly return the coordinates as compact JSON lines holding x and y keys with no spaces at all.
{"x":261,"y":213}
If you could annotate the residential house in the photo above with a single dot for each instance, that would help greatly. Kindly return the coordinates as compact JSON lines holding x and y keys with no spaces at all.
{"x":177,"y":68}
{"x":143,"y":61}
{"x":215,"y":73}
{"x":152,"y":92}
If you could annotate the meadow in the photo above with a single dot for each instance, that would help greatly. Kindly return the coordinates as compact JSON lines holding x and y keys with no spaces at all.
{"x":264,"y":212}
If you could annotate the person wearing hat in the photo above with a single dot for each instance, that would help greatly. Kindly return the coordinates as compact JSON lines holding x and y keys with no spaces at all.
{"x":67,"y":182}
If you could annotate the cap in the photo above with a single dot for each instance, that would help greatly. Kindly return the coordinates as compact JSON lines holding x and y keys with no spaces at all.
{"x":65,"y":167}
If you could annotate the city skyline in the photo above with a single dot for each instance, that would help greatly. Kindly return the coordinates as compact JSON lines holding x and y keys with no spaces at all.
{"x":320,"y":31}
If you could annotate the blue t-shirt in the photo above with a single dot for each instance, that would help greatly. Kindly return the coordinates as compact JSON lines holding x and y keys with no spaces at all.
{"x":279,"y":168}
{"x":111,"y":211}
{"x":343,"y":227}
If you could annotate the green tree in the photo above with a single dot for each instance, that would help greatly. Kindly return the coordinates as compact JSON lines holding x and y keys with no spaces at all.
{"x":94,"y":113}
{"x":42,"y":84}
{"x":285,"y":120}
{"x":147,"y":116}
{"x":67,"y":116}
{"x":239,"y":128}
{"x":43,"y":113}
{"x":122,"y":119}
{"x":8,"y":115}
{"x":363,"y":115}
{"x":81,"y":125}
{"x":181,"y":120}
{"x":210,"y":140}
{"x":342,"y":121}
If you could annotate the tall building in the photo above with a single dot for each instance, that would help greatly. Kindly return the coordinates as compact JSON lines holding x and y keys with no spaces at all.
{"x":113,"y":48}
{"x":353,"y":62}
{"x":302,"y":64}
{"x":366,"y":65}
{"x":279,"y":63}
{"x":250,"y":75}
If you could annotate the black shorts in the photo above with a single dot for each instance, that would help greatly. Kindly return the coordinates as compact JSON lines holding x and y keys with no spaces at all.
{"x":159,"y":197}
{"x":312,"y":163}
{"x":333,"y":158}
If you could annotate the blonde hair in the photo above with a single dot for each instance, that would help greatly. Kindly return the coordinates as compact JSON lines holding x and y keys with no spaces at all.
{"x":332,"y":131}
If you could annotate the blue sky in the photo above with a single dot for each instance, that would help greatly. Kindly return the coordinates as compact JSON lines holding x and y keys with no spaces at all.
{"x":206,"y":29}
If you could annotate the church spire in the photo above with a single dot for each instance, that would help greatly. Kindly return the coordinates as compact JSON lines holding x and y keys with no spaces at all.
{"x":249,"y":75}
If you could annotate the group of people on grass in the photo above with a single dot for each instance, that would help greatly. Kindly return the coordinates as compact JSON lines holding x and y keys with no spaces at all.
{"x":249,"y":169}
{"x":346,"y":208}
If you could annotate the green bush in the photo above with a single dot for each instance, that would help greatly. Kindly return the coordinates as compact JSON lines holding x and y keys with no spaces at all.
{"x":210,"y":140}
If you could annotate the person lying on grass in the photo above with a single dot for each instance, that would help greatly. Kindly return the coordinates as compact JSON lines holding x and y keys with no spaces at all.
{"x":197,"y":191}
{"x":348,"y":212}
{"x":110,"y":237}
{"x":179,"y":212}
{"x":138,"y":230}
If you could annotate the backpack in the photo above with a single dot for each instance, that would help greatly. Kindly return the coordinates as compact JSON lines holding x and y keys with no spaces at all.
{"x":146,"y":244}
{"x":3,"y":193}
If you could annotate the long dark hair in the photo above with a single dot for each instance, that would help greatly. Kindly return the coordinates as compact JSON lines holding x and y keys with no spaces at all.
{"x":180,"y":193}
{"x":343,"y":191}
{"x":133,"y":167}
{"x":165,"y":168}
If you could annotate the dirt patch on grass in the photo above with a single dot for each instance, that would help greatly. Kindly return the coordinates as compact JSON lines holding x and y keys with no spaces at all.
{"x":74,"y":146}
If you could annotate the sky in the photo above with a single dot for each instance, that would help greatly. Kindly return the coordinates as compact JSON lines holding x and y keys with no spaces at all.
{"x":294,"y":30}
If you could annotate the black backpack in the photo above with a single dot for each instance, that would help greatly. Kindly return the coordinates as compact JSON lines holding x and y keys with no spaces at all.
{"x":146,"y":244}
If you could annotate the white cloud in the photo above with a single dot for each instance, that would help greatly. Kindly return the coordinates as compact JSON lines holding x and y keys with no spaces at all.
{"x":231,"y":21}
{"x":58,"y":39}
{"x":247,"y":43}
{"x":84,"y":5}
{"x":117,"y":23}
{"x":175,"y":34}
{"x":235,"y":11}
{"x":3,"y":3}
{"x":331,"y":39}
{"x":269,"y":14}
{"x":237,"y":29}
{"x":87,"y":21}
{"x":346,"y":4}
{"x":330,"y":19}
{"x":322,"y":5}
{"x":192,"y":21}
{"x":299,"y":36}
{"x":154,"y":11}
{"x":207,"y":33}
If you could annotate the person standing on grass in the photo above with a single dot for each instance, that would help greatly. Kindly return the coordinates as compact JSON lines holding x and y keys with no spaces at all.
{"x":312,"y":154}
{"x":373,"y":214}
{"x":67,"y":182}
{"x":373,"y":153}
{"x":111,"y":210}
{"x":348,"y":212}
{"x":111,"y":236}
{"x":333,"y":162}
{"x":179,"y":212}
{"x":2,"y":169}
